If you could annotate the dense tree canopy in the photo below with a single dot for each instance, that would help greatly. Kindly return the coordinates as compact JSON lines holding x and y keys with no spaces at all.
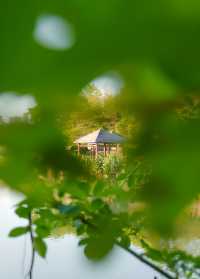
{"x":93,"y":111}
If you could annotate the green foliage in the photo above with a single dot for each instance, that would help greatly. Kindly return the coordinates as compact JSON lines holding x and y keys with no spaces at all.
{"x":100,"y":164}
{"x":109,"y":167}
{"x":113,"y":165}
{"x":154,"y":47}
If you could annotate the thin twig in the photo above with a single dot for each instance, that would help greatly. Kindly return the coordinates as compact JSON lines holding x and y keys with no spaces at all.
{"x":30,"y":272}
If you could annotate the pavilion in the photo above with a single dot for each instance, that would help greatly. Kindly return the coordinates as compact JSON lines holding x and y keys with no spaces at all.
{"x":100,"y":142}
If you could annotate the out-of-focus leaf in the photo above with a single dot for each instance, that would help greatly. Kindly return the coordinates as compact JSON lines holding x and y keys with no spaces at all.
{"x":97,"y":204}
{"x":23,"y":212}
{"x":173,"y":150}
{"x":42,"y":231}
{"x":69,"y":210}
{"x":143,"y":31}
{"x":77,"y":189}
{"x":98,"y":247}
{"x":18,"y":231}
{"x":83,"y":241}
{"x":40,"y":246}
{"x":125,"y":241}
{"x":98,"y":189}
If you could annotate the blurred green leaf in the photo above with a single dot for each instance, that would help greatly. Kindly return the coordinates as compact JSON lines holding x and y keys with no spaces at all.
{"x":98,"y":247}
{"x":18,"y":231}
{"x":40,"y":246}
{"x":23,"y":212}
{"x":69,"y":210}
{"x":42,"y":231}
{"x":174,"y":154}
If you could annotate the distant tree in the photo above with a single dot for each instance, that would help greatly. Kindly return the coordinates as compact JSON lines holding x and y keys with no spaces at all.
{"x":94,"y":111}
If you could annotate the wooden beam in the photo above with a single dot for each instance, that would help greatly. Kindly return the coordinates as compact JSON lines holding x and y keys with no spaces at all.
{"x":78,"y":145}
{"x":96,"y":150}
{"x":109,"y":148}
{"x":104,"y":148}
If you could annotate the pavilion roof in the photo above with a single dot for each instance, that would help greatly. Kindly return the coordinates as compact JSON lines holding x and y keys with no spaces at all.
{"x":101,"y":136}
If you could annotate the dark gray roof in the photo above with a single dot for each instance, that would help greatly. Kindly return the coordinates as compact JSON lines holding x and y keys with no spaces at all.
{"x":101,"y":136}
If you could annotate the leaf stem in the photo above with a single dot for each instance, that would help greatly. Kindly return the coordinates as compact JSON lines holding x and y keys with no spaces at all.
{"x":30,"y":273}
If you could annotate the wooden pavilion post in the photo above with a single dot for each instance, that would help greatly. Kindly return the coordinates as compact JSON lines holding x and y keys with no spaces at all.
{"x":109,"y":148}
{"x":78,"y":145}
{"x":96,"y":150}
{"x":92,"y":151}
{"x":104,"y":148}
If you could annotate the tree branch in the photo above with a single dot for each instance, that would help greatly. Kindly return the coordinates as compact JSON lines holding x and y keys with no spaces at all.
{"x":147,"y":262}
{"x":136,"y":255}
